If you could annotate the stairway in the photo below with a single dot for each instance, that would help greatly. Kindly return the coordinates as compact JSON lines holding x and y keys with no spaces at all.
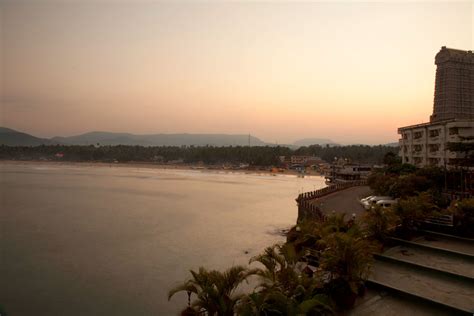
{"x":432,"y":272}
{"x":437,"y":268}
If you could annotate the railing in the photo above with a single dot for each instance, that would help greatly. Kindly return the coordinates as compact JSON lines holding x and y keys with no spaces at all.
{"x":308,"y":210}
{"x":442,"y":220}
{"x":328,"y":190}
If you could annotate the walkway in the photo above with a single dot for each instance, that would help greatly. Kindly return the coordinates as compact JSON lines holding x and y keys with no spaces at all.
{"x":345,"y":201}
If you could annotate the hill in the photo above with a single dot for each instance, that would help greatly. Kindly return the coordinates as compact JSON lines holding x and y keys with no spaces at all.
{"x":11,"y":137}
{"x":107,"y":138}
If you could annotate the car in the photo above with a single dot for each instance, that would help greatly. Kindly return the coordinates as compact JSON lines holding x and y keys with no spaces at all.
{"x":386,"y":203}
{"x":374,"y":199}
{"x":366,"y":198}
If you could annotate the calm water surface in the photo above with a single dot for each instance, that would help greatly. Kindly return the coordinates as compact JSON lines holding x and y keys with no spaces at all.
{"x":82,"y":240}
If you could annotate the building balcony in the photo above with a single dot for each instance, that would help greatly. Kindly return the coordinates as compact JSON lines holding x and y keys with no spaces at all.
{"x":435,"y":140}
{"x":420,"y":140}
{"x":453,"y":138}
{"x":419,"y":153}
{"x":435,"y":154}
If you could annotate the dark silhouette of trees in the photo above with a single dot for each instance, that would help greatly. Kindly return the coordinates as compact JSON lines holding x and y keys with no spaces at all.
{"x":256,"y":155}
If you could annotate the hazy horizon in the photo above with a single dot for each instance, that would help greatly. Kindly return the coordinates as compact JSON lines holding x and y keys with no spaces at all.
{"x":347,"y":71}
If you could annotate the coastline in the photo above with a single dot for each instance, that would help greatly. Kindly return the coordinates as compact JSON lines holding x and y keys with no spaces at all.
{"x":148,"y":165}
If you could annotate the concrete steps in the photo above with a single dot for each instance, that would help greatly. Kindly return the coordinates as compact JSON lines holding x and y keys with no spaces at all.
{"x":448,"y":242}
{"x":439,"y":288}
{"x":431,"y":259}
{"x":435,"y":269}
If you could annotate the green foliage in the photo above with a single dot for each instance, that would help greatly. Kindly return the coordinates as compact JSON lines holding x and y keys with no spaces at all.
{"x":381,"y":183}
{"x":412,"y":209}
{"x":215,"y":290}
{"x":400,"y":169}
{"x":409,"y":185}
{"x":355,"y":153}
{"x":379,"y":222}
{"x":345,"y":256}
{"x":402,"y":181}
{"x":256,"y":155}
{"x":463,"y":212}
{"x":348,"y":257}
{"x":391,"y":159}
{"x":282,"y":289}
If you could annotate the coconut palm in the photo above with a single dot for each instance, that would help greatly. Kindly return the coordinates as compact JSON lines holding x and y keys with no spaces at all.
{"x":215,"y":290}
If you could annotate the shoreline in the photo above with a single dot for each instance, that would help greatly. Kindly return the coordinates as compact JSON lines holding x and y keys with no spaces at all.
{"x":148,"y":165}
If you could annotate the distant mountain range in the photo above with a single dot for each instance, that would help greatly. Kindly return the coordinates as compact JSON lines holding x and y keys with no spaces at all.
{"x":11,"y":137}
{"x":14,"y":138}
{"x":106,"y":138}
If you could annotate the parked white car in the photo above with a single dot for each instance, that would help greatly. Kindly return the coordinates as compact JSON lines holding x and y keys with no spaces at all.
{"x":366,"y":198}
{"x":368,"y":203}
{"x":386,"y":203}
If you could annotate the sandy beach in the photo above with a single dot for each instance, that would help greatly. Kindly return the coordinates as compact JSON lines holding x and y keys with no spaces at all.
{"x":136,"y":164}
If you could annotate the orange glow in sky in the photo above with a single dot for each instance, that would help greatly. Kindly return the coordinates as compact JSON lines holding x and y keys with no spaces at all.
{"x":352,"y":72}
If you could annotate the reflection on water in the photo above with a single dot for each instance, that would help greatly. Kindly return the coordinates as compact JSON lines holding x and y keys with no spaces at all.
{"x":112,"y":241}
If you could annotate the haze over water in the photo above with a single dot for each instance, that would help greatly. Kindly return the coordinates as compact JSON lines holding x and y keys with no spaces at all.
{"x":82,"y":240}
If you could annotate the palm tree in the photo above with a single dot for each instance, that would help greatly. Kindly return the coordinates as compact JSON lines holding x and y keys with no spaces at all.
{"x":379,"y":222}
{"x":215,"y":290}
{"x":278,"y":262}
{"x":347,"y":259}
{"x":283,"y":290}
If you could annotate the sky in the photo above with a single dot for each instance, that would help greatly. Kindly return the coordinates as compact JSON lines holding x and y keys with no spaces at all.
{"x":349,"y":71}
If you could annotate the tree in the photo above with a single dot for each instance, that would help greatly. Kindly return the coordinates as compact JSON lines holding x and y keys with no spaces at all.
{"x":463,"y":212}
{"x":347,"y":258}
{"x":379,"y":221}
{"x":413,"y":209}
{"x":215,"y":290}
{"x":282,"y":289}
{"x":391,"y":159}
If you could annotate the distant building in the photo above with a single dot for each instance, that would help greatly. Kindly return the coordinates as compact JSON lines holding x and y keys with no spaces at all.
{"x":305,"y":160}
{"x":452,"y":120}
{"x":348,"y":172}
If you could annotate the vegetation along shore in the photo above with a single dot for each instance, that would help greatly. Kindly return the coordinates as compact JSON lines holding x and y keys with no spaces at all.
{"x":323,"y":266}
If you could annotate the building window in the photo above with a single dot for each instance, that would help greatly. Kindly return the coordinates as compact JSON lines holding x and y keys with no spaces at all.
{"x":405,"y":136}
{"x":434,"y":147}
{"x":418,"y":148}
{"x":453,"y":131}
{"x":434,"y":161}
{"x":418,"y":135}
{"x":417,"y":160}
{"x":434,"y":133}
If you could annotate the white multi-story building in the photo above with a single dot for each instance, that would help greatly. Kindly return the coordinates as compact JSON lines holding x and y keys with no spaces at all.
{"x":452,"y":120}
{"x":427,"y":144}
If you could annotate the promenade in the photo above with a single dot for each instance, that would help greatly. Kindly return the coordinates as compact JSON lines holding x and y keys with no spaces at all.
{"x":345,"y":201}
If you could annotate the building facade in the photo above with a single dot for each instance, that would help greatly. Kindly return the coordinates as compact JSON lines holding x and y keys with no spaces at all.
{"x":454,"y":85}
{"x":452,"y":120}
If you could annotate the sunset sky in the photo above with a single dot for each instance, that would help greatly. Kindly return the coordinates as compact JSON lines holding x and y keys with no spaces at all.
{"x":349,"y":71}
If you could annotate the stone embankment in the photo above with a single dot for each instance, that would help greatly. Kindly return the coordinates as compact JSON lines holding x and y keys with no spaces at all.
{"x":306,"y":206}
